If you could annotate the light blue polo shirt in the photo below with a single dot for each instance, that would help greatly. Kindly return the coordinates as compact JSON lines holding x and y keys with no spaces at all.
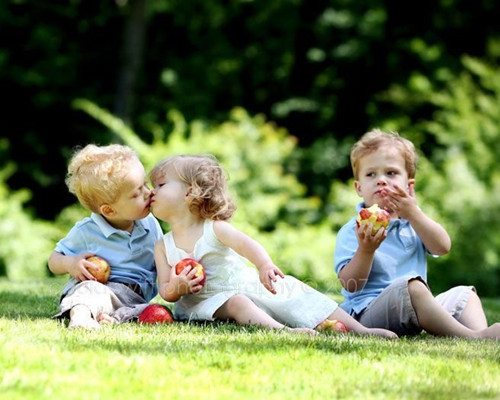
{"x":130,"y":255}
{"x":401,"y":254}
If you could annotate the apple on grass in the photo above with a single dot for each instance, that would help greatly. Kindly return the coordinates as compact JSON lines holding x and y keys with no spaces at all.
{"x":375,"y":215}
{"x":340,"y":326}
{"x":333,"y":325}
{"x":191,"y":263}
{"x":102,"y":273}
{"x":156,"y":314}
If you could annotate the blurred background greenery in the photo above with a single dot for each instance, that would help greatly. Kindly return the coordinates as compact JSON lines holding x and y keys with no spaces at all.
{"x":278,"y":91}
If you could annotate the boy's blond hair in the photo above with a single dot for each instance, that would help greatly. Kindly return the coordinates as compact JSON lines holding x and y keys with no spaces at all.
{"x":96,"y":174}
{"x":208,"y":195}
{"x":376,"y":139}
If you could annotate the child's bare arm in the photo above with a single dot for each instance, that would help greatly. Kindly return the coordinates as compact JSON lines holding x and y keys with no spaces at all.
{"x":432,"y":234}
{"x":251,"y":250}
{"x":76,"y":266}
{"x":354,"y":274}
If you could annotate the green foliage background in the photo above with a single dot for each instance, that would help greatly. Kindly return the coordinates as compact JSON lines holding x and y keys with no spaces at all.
{"x":458,"y":185}
{"x":278,"y":91}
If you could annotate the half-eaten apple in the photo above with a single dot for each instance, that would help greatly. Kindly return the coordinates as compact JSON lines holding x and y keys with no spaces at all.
{"x":377,"y":216}
{"x":332,"y":325}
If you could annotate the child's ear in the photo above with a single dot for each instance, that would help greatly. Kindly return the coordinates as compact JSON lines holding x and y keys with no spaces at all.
{"x":357,"y":186}
{"x":411,"y":187}
{"x":107,"y":210}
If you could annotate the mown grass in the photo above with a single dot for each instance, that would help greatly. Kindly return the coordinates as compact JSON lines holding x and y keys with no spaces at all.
{"x":41,"y":359}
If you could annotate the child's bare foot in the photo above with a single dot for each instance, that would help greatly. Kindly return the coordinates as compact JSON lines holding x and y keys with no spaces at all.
{"x":302,"y":330}
{"x":90,"y":324}
{"x":492,"y":332}
{"x":81,"y":317}
{"x":106,"y":319}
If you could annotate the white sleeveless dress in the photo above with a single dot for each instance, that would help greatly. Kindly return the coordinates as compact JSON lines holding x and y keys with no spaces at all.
{"x":295,"y":304}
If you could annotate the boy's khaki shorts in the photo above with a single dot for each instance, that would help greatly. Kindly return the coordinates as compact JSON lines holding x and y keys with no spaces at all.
{"x":393,"y":309}
{"x":115,"y":299}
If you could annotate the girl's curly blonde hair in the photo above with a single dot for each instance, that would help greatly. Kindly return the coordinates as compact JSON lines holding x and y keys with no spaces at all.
{"x":208,"y":195}
{"x":96,"y":173}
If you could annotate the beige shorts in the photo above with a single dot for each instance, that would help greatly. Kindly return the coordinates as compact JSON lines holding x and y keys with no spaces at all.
{"x":114,"y":299}
{"x":393,"y":309}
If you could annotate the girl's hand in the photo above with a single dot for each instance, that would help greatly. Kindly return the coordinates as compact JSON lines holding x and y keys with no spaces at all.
{"x":185,"y":282}
{"x":269,"y":274}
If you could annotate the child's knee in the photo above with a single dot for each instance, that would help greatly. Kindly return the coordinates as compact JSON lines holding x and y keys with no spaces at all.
{"x":417,"y":289}
{"x":238,"y":300}
{"x":233,"y":307}
{"x":474,"y":296}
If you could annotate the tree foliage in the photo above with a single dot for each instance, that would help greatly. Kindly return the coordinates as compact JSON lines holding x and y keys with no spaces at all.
{"x":300,"y":81}
{"x":315,"y":68}
{"x":24,"y":242}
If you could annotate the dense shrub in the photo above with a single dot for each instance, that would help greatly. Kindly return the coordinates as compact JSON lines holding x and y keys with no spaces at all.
{"x":25,"y":243}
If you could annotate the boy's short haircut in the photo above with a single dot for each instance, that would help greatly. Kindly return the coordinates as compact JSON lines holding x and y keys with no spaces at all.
{"x":374,"y":140}
{"x":96,"y":174}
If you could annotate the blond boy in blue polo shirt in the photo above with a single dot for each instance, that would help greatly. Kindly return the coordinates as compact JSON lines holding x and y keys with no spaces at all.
{"x":384,"y":275}
{"x":110,"y":181}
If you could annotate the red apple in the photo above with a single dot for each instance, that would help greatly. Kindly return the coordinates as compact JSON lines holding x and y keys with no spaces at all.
{"x":333,"y":325}
{"x":156,"y":314}
{"x":340,"y":326}
{"x":191,"y":263}
{"x":103,"y":271}
{"x":376,"y":215}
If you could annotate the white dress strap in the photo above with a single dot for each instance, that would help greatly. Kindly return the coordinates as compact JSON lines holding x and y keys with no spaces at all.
{"x":174,"y":254}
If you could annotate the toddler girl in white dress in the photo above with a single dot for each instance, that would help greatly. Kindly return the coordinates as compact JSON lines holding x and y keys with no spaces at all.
{"x":190,"y":193}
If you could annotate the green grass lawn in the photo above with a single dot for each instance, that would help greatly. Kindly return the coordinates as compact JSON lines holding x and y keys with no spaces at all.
{"x":41,"y":359}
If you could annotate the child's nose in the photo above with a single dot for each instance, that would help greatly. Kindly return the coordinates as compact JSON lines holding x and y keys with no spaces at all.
{"x":382,"y":180}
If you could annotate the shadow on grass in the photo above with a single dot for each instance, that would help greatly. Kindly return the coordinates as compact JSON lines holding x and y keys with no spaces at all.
{"x":15,"y":305}
{"x":226,"y":339}
{"x":33,"y":300}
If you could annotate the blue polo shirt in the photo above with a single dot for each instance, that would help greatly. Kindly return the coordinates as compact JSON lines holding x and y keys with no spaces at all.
{"x":401,"y":254}
{"x":130,"y":255}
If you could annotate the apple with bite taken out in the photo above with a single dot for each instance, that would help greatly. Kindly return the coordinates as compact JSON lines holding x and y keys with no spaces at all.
{"x":191,"y":263}
{"x":156,"y":314}
{"x":333,"y":325}
{"x":375,"y":215}
{"x":102,"y":273}
{"x":340,"y":326}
